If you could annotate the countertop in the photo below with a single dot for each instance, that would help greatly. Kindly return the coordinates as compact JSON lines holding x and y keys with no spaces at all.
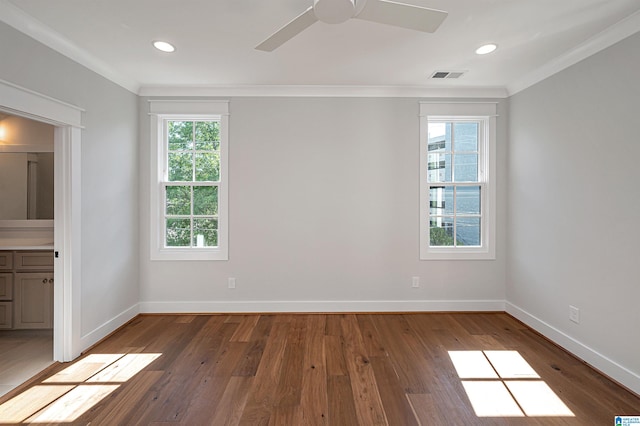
{"x":25,"y":244}
{"x":30,"y":248}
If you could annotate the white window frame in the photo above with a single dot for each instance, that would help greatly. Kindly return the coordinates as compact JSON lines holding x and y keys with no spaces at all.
{"x":486,"y":113}
{"x":160,"y":112}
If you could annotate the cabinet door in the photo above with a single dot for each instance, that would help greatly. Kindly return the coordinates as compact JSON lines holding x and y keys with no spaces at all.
{"x":5,"y":315}
{"x":6,"y":286}
{"x":6,"y":260}
{"x":33,"y":300}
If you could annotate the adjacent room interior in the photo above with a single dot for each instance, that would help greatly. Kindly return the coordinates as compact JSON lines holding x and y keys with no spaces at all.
{"x":26,"y":232}
{"x":364,"y":168}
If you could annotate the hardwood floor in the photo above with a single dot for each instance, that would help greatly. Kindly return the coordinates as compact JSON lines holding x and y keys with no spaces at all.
{"x":23,"y":354}
{"x":308,"y":369}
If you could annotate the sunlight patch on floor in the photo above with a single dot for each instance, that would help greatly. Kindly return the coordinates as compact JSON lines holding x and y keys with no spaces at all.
{"x":511,"y":365}
{"x":537,"y":399}
{"x":30,"y":401}
{"x":73,"y":404}
{"x":84,"y":368}
{"x":491,"y":399}
{"x":68,"y":394}
{"x":489,"y":379}
{"x":472,"y":365}
{"x":124,"y":368}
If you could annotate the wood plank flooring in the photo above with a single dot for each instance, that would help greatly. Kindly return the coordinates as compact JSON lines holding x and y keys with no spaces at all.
{"x":315,"y":369}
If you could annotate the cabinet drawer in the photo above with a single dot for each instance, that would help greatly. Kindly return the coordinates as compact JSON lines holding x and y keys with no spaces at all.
{"x":34,"y":261}
{"x":6,"y":260}
{"x":6,"y":286}
{"x":6,"y":315}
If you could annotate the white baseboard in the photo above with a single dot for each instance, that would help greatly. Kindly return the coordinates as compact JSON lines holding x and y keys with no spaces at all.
{"x":95,"y":335}
{"x":322,"y":306}
{"x":600,"y":362}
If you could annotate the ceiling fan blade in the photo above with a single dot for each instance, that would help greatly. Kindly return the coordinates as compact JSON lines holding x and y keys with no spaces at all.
{"x":402,"y":15}
{"x":290,"y":30}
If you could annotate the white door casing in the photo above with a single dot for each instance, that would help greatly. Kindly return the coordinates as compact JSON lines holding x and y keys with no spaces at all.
{"x":67,"y":120}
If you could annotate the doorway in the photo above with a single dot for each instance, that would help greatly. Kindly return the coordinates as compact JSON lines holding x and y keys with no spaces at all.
{"x":26,"y":248}
{"x":66,"y":120}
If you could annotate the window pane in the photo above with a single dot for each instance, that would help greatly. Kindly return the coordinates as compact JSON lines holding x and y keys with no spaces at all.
{"x":205,"y":200}
{"x":468,"y":200}
{"x":205,"y":232}
{"x":208,"y":167}
{"x":180,"y":167}
{"x":439,"y":167}
{"x":436,"y":145}
{"x":441,"y":200}
{"x":466,"y":167}
{"x":466,"y":136}
{"x":437,"y":203}
{"x":439,"y":135}
{"x":180,"y":135}
{"x":207,"y":135}
{"x":441,"y":232}
{"x":178,"y":200}
{"x":468,"y":231}
{"x":178,"y":232}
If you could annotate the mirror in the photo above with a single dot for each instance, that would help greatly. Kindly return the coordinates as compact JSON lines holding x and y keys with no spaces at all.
{"x":26,"y":169}
{"x":26,"y":185}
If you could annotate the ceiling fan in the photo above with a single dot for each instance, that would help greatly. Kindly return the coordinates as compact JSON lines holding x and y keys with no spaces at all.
{"x":338,"y":11}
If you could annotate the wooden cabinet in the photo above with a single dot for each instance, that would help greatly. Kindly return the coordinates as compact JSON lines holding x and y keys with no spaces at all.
{"x":26,"y":289}
{"x":6,"y":286}
{"x":33,"y":261}
{"x":6,"y":260}
{"x":33,"y":303}
{"x":6,"y":315}
{"x":6,"y":300}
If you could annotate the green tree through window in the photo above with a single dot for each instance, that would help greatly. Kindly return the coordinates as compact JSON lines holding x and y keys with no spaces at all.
{"x":191,"y":190}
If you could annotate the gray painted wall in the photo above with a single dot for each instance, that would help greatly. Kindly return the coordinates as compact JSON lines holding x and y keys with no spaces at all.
{"x":109,"y":170}
{"x":574,"y":205}
{"x":324,"y":207}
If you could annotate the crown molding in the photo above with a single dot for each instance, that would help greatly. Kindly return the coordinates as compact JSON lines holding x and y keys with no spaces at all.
{"x":610,"y":36}
{"x":325,"y":91}
{"x":17,"y":18}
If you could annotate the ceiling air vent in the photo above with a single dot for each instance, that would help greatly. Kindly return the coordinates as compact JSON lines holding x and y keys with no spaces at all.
{"x":447,"y":74}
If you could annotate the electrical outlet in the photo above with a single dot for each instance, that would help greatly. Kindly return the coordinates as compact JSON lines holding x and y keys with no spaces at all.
{"x":232,"y":283}
{"x":415,"y":282}
{"x":574,"y":314}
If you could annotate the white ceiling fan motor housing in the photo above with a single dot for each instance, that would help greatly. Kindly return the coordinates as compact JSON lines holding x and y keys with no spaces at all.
{"x":334,"y":11}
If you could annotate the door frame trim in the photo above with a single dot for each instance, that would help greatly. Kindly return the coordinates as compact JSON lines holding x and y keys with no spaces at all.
{"x":67,"y":120}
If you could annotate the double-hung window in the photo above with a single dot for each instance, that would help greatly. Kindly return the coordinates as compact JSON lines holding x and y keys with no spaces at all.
{"x":189,"y":179}
{"x":457,"y":173}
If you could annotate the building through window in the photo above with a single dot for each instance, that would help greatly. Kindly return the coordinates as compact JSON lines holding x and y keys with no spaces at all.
{"x":456,"y":181}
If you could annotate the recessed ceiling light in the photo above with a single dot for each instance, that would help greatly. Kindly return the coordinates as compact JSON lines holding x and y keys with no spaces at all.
{"x":164,"y":46}
{"x":487,"y":48}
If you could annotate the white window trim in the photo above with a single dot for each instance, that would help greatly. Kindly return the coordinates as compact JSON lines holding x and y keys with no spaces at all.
{"x":159,"y":111}
{"x":461,"y":110}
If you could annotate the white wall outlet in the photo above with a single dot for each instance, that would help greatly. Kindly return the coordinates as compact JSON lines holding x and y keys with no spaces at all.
{"x":415,"y":282}
{"x":574,"y":314}
{"x":232,"y":283}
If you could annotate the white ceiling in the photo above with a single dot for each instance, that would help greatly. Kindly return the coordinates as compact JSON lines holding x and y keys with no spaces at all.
{"x":215,"y":42}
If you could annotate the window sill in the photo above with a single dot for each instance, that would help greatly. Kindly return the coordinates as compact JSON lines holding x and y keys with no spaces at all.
{"x":457,"y":254}
{"x":189,"y":254}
